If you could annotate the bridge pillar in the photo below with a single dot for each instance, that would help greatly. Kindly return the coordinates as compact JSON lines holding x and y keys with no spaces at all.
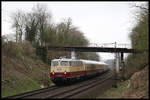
{"x":122,"y":66}
{"x":117,"y":63}
{"x":116,"y":70}
{"x":73,"y":55}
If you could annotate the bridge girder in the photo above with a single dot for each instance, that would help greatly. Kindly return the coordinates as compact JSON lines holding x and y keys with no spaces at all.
{"x":92,"y":49}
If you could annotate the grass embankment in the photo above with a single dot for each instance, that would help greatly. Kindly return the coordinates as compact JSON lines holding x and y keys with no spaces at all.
{"x":139,"y":85}
{"x":22,"y":70}
{"x":19,"y":87}
{"x":115,"y":92}
{"x":135,"y":87}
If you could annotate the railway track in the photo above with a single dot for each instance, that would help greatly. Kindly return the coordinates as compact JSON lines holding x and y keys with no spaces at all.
{"x":65,"y":91}
{"x":26,"y":94}
{"x":79,"y":88}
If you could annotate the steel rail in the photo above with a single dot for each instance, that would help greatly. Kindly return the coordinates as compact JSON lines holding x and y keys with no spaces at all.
{"x":26,"y":94}
{"x":73,"y":93}
{"x":71,"y":89}
{"x":58,"y":91}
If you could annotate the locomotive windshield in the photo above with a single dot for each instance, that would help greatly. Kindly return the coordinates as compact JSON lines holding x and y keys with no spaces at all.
{"x":54,"y":63}
{"x":64,"y":63}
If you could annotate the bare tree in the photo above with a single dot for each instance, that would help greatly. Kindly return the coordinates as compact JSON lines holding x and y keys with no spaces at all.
{"x":43,"y":18}
{"x":18,"y":23}
{"x":140,"y":10}
{"x":31,"y":27}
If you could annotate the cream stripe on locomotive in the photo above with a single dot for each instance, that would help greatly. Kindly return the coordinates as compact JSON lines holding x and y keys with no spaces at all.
{"x":70,"y":65}
{"x":62,"y":65}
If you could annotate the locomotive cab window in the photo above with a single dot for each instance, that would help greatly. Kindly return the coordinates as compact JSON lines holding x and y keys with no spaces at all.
{"x":73,"y":63}
{"x":64,"y":63}
{"x":54,"y":63}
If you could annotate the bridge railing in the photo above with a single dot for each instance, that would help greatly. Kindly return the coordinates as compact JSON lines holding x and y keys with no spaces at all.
{"x":110,"y":45}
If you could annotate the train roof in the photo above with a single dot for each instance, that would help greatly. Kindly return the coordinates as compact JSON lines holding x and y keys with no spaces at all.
{"x":84,"y":61}
{"x":93,"y":62}
{"x":65,"y":59}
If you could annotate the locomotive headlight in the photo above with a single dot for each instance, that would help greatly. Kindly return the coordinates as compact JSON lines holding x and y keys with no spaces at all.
{"x":65,"y":72}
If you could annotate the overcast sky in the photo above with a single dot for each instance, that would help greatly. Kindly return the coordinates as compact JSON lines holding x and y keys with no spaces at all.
{"x":101,"y":22}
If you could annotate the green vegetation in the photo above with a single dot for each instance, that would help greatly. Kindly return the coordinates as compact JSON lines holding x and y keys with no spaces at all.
{"x":115,"y":92}
{"x":135,"y":87}
{"x":22,"y":70}
{"x":25,"y":67}
{"x":139,"y":39}
{"x":25,"y":85}
{"x":38,"y":28}
{"x":135,"y":62}
{"x":139,"y":85}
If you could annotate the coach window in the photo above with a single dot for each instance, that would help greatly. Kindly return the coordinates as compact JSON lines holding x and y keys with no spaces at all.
{"x":55,"y":63}
{"x":64,"y":63}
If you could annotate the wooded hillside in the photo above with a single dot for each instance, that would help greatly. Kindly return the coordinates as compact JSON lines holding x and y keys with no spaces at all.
{"x":140,"y":41}
{"x":38,"y":28}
